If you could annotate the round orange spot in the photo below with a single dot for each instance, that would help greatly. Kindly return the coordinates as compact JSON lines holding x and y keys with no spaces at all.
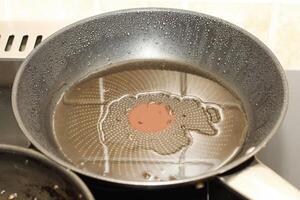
{"x":149,"y":118}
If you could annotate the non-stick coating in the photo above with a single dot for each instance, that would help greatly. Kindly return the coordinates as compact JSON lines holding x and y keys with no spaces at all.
{"x":209,"y":45}
{"x":26,"y":174}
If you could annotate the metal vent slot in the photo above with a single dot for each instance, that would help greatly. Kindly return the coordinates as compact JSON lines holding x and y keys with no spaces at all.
{"x":38,"y":40}
{"x":19,"y":38}
{"x":9,"y":42}
{"x":23,"y":43}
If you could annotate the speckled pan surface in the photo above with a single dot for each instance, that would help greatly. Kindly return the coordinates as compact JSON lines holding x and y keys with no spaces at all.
{"x":206,"y":45}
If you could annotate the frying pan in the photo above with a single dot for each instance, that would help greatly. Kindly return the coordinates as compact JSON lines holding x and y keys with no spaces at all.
{"x":148,"y":50}
{"x":26,"y":174}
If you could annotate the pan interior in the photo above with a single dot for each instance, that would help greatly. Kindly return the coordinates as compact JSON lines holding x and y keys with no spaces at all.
{"x":148,"y":123}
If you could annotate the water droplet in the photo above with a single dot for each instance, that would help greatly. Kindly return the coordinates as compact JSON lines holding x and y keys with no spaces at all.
{"x":2,"y":192}
{"x":55,"y":187}
{"x":128,"y":33}
{"x":12,"y":196}
{"x":224,"y":71}
{"x":131,"y":136}
{"x":80,"y":196}
{"x":147,"y":175}
{"x":26,"y":162}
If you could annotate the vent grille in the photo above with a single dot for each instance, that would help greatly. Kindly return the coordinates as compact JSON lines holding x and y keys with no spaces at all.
{"x":17,"y":39}
{"x":18,"y":45}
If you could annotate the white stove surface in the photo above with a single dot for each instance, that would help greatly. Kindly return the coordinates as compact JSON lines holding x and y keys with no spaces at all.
{"x":282,"y":153}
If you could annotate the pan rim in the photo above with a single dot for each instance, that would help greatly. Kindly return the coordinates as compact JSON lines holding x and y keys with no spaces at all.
{"x":195,"y":179}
